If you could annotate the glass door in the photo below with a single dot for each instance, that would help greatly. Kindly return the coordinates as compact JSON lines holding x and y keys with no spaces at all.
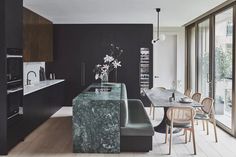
{"x":223,"y":67}
{"x":192,"y":58}
{"x":203,"y":58}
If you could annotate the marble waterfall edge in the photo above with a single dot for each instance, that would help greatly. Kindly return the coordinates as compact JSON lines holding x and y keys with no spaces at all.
{"x":96,"y":124}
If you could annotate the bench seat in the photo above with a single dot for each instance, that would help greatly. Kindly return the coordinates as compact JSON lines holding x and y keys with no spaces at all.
{"x":137,"y":132}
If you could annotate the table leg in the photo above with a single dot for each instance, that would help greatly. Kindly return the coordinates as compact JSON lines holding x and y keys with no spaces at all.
{"x":161,"y":128}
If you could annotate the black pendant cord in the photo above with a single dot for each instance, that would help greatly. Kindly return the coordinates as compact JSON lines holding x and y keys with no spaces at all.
{"x":158,"y":25}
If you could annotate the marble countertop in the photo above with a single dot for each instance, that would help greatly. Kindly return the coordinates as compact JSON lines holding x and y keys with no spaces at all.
{"x":114,"y":94}
{"x":40,"y":85}
{"x":160,"y":98}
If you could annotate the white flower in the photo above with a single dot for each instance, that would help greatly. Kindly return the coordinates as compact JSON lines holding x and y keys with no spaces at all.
{"x":116,"y":64}
{"x":105,"y":67}
{"x":97,"y":76}
{"x":99,"y":65}
{"x":108,"y":59}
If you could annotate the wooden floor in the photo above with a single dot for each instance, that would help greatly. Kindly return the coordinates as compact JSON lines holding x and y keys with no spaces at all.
{"x":53,"y":139}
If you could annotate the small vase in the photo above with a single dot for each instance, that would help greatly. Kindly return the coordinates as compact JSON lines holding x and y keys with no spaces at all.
{"x":104,"y":78}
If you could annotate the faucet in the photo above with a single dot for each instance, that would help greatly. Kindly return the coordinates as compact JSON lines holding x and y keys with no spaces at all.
{"x":28,"y":81}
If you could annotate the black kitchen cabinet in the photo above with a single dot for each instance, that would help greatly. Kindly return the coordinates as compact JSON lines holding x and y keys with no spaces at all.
{"x":14,"y":131}
{"x":10,"y":39}
{"x":79,"y":47}
{"x":40,"y":105}
{"x":13,"y":23}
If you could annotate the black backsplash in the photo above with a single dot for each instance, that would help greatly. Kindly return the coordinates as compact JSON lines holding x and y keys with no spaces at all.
{"x":77,"y":44}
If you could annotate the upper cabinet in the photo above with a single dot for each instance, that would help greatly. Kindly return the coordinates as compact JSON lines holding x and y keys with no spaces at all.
{"x":37,"y":37}
{"x":13,"y":23}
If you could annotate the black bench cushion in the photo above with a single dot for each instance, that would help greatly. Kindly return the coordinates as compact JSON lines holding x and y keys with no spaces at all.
{"x":138,"y":121}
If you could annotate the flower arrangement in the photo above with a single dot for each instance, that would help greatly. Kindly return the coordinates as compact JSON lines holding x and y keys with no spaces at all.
{"x":111,"y":62}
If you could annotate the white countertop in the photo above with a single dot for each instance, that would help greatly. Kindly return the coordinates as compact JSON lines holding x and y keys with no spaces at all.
{"x":40,"y":85}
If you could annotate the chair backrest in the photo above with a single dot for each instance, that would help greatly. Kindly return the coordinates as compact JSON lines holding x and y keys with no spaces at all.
{"x":181,"y":114}
{"x":207,"y":105}
{"x":197,"y":97}
{"x":187,"y":93}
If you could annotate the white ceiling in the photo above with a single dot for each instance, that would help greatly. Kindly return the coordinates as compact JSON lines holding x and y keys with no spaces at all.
{"x":173,"y":12}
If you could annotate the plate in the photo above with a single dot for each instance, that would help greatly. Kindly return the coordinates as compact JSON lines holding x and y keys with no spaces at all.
{"x":190,"y":101}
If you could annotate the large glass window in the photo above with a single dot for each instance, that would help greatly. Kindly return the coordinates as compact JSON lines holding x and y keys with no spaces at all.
{"x":203,"y":58}
{"x":223,"y":66}
{"x":210,"y":45}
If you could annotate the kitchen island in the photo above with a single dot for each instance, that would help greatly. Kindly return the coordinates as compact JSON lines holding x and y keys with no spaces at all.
{"x":96,"y":119}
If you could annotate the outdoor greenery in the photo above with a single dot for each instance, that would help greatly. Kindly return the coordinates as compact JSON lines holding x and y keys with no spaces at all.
{"x":223,"y":63}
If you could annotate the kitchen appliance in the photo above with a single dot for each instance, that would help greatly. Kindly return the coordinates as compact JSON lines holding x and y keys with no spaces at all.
{"x":14,"y":65}
{"x":14,"y":99}
{"x":14,"y":82}
{"x":42,"y":74}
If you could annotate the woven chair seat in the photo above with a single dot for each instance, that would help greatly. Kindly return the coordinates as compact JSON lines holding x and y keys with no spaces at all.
{"x":178,"y":125}
{"x":201,"y":116}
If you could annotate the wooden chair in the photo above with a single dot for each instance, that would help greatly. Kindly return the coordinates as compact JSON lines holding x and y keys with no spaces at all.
{"x":188,"y":93}
{"x":152,"y":107}
{"x":207,"y":113}
{"x":180,"y":117}
{"x":197,"y":97}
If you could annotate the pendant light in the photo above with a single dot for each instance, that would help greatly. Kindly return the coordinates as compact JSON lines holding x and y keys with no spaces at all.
{"x":154,"y":41}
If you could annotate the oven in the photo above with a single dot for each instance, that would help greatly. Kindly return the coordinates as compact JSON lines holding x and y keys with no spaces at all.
{"x":14,"y":82}
{"x":14,"y":66}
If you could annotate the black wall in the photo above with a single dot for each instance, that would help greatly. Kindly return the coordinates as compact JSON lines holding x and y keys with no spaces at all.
{"x":88,"y":43}
{"x":3,"y":88}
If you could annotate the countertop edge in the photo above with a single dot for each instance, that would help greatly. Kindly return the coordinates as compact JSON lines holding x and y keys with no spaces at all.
{"x":43,"y":87}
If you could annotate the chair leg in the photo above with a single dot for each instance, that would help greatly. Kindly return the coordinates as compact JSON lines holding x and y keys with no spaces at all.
{"x":184,"y":131}
{"x":194,"y":142}
{"x":203,"y":125}
{"x":214,"y":123}
{"x":150,"y":110}
{"x":167,"y":129}
{"x":207,"y":126}
{"x":170,"y":143}
{"x":153,"y":113}
{"x":190,"y":136}
{"x":186,"y":135}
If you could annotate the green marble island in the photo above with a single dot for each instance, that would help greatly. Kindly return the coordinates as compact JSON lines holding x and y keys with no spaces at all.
{"x":96,"y":119}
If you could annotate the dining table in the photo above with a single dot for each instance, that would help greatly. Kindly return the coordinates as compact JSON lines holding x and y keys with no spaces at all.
{"x":160,"y":98}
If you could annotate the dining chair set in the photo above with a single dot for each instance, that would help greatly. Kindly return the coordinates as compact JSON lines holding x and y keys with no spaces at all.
{"x":185,"y":117}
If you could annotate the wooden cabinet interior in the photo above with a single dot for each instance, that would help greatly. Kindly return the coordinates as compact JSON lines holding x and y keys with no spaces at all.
{"x":37,"y":37}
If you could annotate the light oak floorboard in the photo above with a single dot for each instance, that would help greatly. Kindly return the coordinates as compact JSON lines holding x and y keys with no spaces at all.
{"x":54,"y":139}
